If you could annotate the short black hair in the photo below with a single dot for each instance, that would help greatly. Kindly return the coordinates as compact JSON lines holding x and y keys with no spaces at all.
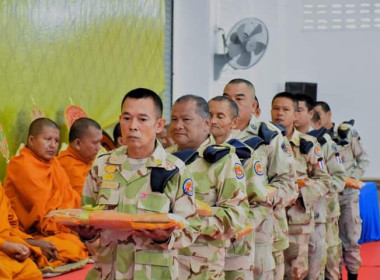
{"x":325,"y":107}
{"x":116,"y":133}
{"x":243,"y":81}
{"x":80,"y":127}
{"x":231,"y":103}
{"x":307,"y":99}
{"x":36,"y":126}
{"x":139,"y":93}
{"x":201,"y":104}
{"x":288,"y":95}
{"x":316,"y":117}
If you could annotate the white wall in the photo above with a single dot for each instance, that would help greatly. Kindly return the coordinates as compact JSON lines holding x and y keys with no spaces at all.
{"x":345,"y":64}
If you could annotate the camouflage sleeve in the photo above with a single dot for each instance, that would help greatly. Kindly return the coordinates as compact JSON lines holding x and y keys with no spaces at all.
{"x":281,"y":171}
{"x":90,"y":188}
{"x":229,"y":214}
{"x":360,"y":155}
{"x":180,"y":190}
{"x":334,"y":166}
{"x":317,"y":169}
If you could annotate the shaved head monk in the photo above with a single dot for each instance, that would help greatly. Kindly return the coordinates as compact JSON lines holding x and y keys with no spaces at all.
{"x":15,"y":261}
{"x":35,"y":184}
{"x":85,"y":138}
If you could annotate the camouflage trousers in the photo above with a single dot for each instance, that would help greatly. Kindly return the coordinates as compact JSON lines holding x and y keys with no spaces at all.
{"x":317,"y":253}
{"x":279,"y":260}
{"x":350,"y":230}
{"x":296,"y":256}
{"x":334,"y":249}
{"x":264,"y":263}
{"x":202,"y":262}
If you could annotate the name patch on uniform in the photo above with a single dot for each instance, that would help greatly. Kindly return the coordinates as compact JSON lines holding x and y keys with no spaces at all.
{"x":258,"y":168}
{"x":188,"y":187}
{"x":287,"y":149}
{"x":110,"y":185}
{"x":239,"y":171}
{"x":318,"y":151}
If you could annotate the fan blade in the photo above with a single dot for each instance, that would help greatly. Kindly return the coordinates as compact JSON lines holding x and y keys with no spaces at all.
{"x":259,"y":48}
{"x":234,"y":38}
{"x":258,"y":29}
{"x":244,"y":59}
{"x":235,"y":50}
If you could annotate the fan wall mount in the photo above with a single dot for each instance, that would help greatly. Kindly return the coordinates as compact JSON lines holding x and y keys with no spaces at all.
{"x":244,"y":46}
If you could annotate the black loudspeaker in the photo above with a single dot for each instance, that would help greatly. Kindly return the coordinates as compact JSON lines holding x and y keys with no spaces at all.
{"x":309,"y":89}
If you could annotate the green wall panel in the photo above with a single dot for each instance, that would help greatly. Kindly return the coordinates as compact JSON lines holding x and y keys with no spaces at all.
{"x":90,"y":52}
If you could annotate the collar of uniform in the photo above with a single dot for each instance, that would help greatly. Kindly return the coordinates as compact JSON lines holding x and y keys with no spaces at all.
{"x":253,"y":126}
{"x":118,"y":156}
{"x":295,"y":137}
{"x":158,"y":158}
{"x":210,"y":140}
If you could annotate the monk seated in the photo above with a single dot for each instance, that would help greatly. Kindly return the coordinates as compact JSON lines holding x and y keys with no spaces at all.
{"x":35,"y":184}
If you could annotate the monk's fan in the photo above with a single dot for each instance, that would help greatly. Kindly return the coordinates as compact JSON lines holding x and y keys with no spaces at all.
{"x":4,"y":150}
{"x":108,"y":219}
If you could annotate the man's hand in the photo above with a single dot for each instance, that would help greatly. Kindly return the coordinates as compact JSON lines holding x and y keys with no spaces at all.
{"x":47,"y":248}
{"x":86,"y":232}
{"x":304,"y":183}
{"x":16,"y":251}
{"x":354,"y":183}
{"x":157,"y":235}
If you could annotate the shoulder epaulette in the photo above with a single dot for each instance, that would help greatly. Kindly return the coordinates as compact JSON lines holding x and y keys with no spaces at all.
{"x":266,"y":134}
{"x":280,"y":127}
{"x":254,"y":142}
{"x":241,"y":150}
{"x":305,"y":146}
{"x":160,"y":176}
{"x":187,"y":156}
{"x":319,"y":133}
{"x":344,"y":128}
{"x":213,"y":153}
{"x":340,"y":142}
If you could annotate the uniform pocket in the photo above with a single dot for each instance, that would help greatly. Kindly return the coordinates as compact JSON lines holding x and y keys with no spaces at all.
{"x":154,"y":202}
{"x":109,"y":196}
{"x":158,"y":265}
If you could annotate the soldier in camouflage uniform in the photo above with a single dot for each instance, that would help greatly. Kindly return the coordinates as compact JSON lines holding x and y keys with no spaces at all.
{"x":220,"y":181}
{"x":240,"y":254}
{"x":312,"y":180}
{"x":355,"y":161}
{"x":336,"y":170}
{"x":324,"y":240}
{"x":123,"y":180}
{"x":278,"y":171}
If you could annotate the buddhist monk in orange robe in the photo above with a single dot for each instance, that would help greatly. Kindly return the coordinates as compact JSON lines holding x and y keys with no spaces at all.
{"x":15,"y":261}
{"x":85,"y":141}
{"x":35,"y":184}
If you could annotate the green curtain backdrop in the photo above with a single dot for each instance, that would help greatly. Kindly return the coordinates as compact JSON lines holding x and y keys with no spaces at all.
{"x":90,"y":53}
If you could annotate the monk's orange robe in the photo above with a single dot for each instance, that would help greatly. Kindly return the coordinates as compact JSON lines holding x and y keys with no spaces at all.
{"x":34,"y":188}
{"x":76,"y":168}
{"x":11,"y":268}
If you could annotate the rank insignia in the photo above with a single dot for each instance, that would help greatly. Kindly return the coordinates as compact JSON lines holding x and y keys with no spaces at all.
{"x":258,"y":168}
{"x":321,"y":163}
{"x":239,"y":171}
{"x":108,"y":177}
{"x":188,"y":187}
{"x":110,"y":168}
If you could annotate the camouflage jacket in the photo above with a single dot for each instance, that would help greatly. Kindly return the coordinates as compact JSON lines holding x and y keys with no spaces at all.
{"x":309,"y":163}
{"x":112,"y":183}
